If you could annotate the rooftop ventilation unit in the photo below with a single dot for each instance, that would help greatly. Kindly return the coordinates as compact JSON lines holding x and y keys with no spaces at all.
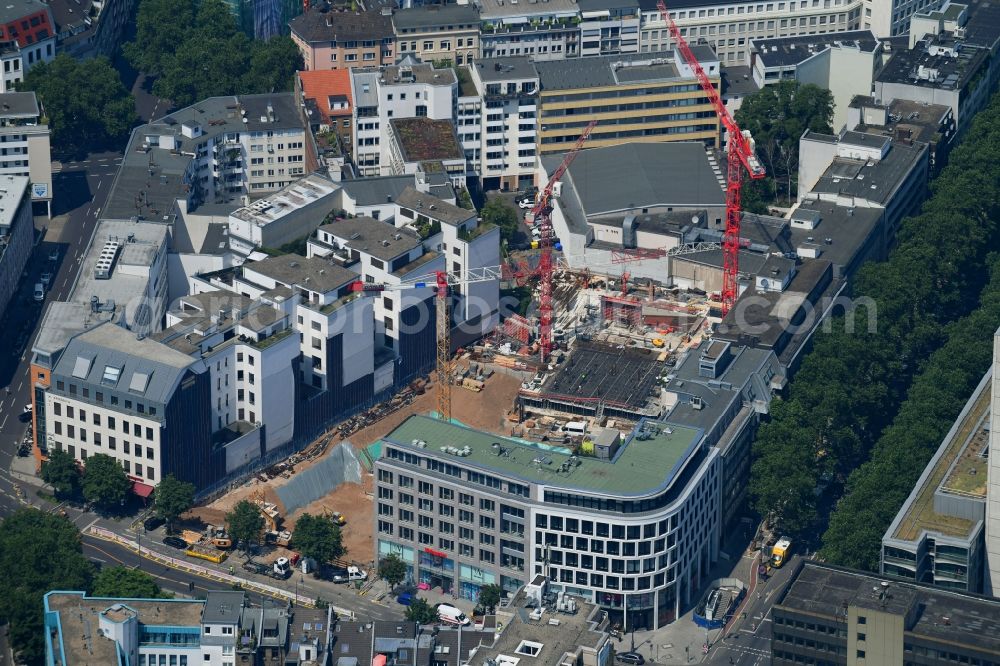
{"x":105,"y":262}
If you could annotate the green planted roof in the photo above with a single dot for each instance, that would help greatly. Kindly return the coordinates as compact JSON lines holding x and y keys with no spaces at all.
{"x":639,"y":468}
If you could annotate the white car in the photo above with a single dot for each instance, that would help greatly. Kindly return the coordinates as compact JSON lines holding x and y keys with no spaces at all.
{"x":527,"y":203}
{"x":46,"y":278}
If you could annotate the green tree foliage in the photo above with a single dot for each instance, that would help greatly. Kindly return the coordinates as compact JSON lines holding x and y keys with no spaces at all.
{"x":126,"y":582}
{"x":489,"y":597}
{"x":212,"y":59}
{"x":85,"y":100}
{"x":160,"y":26}
{"x":317,"y":537}
{"x":851,"y":385}
{"x":245,"y":523}
{"x":392,"y":570}
{"x":104,"y":482}
{"x":421,"y":612}
{"x":878,"y":488}
{"x":172,"y":498}
{"x":498,"y":212}
{"x":39,"y":552}
{"x":776,"y":117}
{"x":62,"y":473}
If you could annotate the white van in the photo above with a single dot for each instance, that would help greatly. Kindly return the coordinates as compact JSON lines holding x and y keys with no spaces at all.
{"x":451,"y":615}
{"x":575,"y":427}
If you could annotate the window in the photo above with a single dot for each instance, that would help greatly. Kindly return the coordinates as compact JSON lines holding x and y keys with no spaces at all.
{"x":862,"y":619}
{"x":861,"y":636}
{"x":861,"y":654}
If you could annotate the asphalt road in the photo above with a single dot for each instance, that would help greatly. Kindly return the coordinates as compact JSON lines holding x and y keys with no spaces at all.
{"x":749,"y":641}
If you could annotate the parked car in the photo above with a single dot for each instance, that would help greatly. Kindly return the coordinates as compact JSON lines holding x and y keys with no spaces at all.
{"x":39,"y":292}
{"x":152,"y":523}
{"x":54,"y":255}
{"x":451,"y":615}
{"x":633,"y":658}
{"x":25,"y":414}
{"x":405,"y":599}
{"x":175,"y":542}
{"x":526,"y":203}
{"x":46,"y":279}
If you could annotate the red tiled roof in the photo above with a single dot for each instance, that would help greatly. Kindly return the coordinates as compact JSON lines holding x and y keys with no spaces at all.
{"x":321,"y":85}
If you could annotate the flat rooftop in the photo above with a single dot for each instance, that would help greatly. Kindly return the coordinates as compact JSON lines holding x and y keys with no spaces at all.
{"x":379,"y":239}
{"x":944,"y":72}
{"x":418,"y":73}
{"x":789,"y":51}
{"x":872,"y":181}
{"x":584,"y":628}
{"x":600,"y":371}
{"x":423,"y":139}
{"x":601,"y":71}
{"x":945,"y":617}
{"x":957,"y":466}
{"x":514,"y":68}
{"x":848,"y":229}
{"x":916,"y":121}
{"x":79,"y":620}
{"x":116,"y":295}
{"x":498,"y":9}
{"x":310,"y":273}
{"x":11,"y":192}
{"x":434,"y":207}
{"x":18,"y":105}
{"x":640,"y":468}
{"x":301,"y":193}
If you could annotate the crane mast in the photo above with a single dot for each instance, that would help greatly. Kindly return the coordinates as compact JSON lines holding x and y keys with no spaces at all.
{"x":740,"y":157}
{"x":541,"y":213}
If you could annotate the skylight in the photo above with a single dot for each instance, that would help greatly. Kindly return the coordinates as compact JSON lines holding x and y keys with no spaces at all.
{"x":112,"y":374}
{"x":82,"y":366}
{"x":140,"y":380}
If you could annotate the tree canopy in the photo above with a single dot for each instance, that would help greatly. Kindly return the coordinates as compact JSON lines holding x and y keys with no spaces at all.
{"x":212,"y":59}
{"x":421,"y":612}
{"x":126,"y":582}
{"x":850,"y":388}
{"x":172,"y":498}
{"x":245,"y":523}
{"x":105,"y":483}
{"x":489,"y":597}
{"x":392,"y":570}
{"x":776,"y":116}
{"x":40,"y":552}
{"x":318,"y":538}
{"x":85,"y":101}
{"x":499,"y":212}
{"x":62,"y":473}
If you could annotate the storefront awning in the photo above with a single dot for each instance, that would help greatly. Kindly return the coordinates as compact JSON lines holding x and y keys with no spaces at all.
{"x":141,"y":489}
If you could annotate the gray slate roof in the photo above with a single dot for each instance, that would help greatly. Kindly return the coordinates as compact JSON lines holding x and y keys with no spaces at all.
{"x":434,"y":208}
{"x":638,"y":175}
{"x":368,"y":235}
{"x":18,"y":105}
{"x":432,"y":16}
{"x":374,"y":191}
{"x":223,"y":607}
{"x":147,"y":368}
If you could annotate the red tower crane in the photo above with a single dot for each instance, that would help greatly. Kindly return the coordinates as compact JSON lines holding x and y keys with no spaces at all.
{"x":741,"y":156}
{"x":541,"y":215}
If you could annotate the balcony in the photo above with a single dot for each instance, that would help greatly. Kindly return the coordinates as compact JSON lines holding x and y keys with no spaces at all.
{"x":533,"y":26}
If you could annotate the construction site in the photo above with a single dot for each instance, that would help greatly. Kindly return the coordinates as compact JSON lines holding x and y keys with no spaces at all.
{"x":595,"y":357}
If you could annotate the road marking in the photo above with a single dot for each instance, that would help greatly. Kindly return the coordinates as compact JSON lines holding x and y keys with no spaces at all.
{"x":4,"y":421}
{"x":99,"y":183}
{"x":19,"y":385}
{"x":65,"y":280}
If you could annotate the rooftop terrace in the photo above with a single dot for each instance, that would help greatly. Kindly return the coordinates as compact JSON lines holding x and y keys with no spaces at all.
{"x":640,"y":468}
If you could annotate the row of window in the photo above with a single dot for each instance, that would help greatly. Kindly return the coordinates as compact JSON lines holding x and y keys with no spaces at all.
{"x":110,"y":422}
{"x":136,"y":469}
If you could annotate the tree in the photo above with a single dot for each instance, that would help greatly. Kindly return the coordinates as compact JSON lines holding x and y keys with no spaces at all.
{"x":160,"y":27}
{"x":489,"y":597}
{"x":392,"y":570}
{"x":273,"y":64}
{"x":126,"y":582}
{"x":318,"y":538}
{"x":172,"y":498}
{"x":87,"y":105}
{"x":62,"y":473}
{"x":421,"y":612}
{"x":498,"y":212}
{"x":245,"y":523}
{"x":40,"y":552}
{"x":104,"y":482}
{"x":776,"y":117}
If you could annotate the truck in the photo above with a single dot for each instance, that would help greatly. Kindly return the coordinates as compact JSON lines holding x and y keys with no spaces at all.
{"x":280,"y":569}
{"x":341,"y":574}
{"x":205,"y":552}
{"x":780,"y":552}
